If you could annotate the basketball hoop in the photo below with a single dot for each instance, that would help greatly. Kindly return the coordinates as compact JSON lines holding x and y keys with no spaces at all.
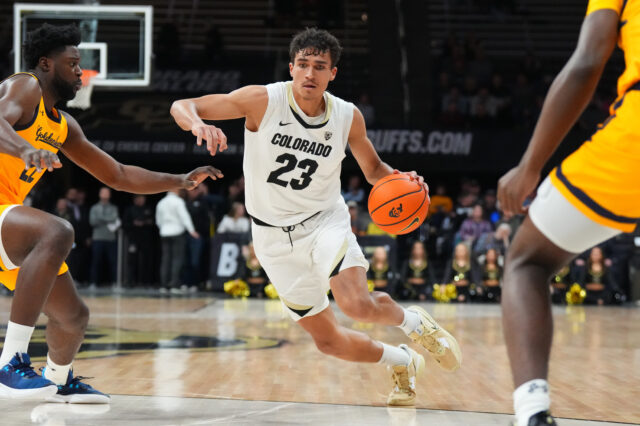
{"x":83,"y":96}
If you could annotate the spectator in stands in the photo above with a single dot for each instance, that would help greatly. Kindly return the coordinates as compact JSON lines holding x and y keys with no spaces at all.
{"x":173,"y":220}
{"x":380,"y":272}
{"x":79,"y":259}
{"x":201,"y":217}
{"x":105,"y":221}
{"x":522,"y":101}
{"x":481,"y":67}
{"x":253,"y":273}
{"x":497,"y":240}
{"x":454,"y":101}
{"x":474,"y":226}
{"x":440,"y":201}
{"x":62,"y":210}
{"x":502,"y":97}
{"x":235,"y":221}
{"x":359,"y":220}
{"x":491,"y":276}
{"x":597,"y":279}
{"x":354,"y":191}
{"x":452,"y":116}
{"x":469,"y":90}
{"x":485,"y":101}
{"x":367,"y":110}
{"x":417,"y":273}
{"x":461,"y":272}
{"x":514,"y":222}
{"x":490,"y":205}
{"x":138,"y":224}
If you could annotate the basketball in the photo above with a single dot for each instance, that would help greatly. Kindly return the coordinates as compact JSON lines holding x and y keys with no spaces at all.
{"x":397,"y":204}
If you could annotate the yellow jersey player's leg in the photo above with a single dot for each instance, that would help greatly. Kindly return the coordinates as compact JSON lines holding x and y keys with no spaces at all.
{"x":34,"y":244}
{"x":590,"y":197}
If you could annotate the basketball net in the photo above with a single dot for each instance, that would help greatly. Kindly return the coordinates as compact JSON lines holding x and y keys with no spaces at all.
{"x":83,"y":96}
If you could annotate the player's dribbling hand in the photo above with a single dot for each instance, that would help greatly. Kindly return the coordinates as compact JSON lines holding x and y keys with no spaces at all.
{"x":193,"y":179}
{"x":514,"y":187}
{"x":216,"y":140}
{"x":40,"y":159}
{"x":414,"y":176}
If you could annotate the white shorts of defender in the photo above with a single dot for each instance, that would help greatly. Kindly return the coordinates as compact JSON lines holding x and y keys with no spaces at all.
{"x":563,"y":224}
{"x":300,"y":263}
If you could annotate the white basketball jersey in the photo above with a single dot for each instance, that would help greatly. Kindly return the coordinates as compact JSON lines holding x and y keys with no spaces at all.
{"x":292,"y":163}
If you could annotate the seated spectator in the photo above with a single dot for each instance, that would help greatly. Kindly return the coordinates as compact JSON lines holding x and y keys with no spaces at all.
{"x":452,"y":116}
{"x":597,"y":278}
{"x":454,"y":98}
{"x":354,"y":191}
{"x":359,"y":220}
{"x":417,"y":274}
{"x":440,"y":201}
{"x":235,"y":220}
{"x":474,"y":226}
{"x":461,"y":272}
{"x":491,"y":276}
{"x":254,"y":274}
{"x":490,"y":202}
{"x":380,"y":271}
{"x":497,"y":240}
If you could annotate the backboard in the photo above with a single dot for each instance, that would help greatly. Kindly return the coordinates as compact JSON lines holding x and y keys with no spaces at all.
{"x":116,"y":40}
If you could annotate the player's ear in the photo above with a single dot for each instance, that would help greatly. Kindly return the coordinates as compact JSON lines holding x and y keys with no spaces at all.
{"x":291,"y":69}
{"x":44,"y":63}
{"x":334,"y":71}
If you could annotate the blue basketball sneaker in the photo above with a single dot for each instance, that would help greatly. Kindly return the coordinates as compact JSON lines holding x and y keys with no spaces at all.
{"x":76,"y":392}
{"x":19,"y":381}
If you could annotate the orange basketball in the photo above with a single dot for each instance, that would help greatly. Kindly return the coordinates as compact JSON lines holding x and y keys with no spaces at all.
{"x":397,"y":204}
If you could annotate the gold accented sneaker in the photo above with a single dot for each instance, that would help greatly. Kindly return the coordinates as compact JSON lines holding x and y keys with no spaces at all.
{"x":442,"y":346}
{"x":404,"y":379}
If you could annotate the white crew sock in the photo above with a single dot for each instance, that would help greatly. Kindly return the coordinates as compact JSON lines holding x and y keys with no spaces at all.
{"x":394,"y":355}
{"x":411,"y":321}
{"x":530,"y":398}
{"x":17,"y":340}
{"x":56,"y":373}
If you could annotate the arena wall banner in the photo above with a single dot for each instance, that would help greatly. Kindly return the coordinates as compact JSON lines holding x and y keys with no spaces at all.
{"x":226,"y":258}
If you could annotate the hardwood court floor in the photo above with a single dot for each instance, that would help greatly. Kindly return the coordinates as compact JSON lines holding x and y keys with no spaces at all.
{"x":249,"y":350}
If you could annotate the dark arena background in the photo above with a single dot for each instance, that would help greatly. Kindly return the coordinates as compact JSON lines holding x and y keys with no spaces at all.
{"x":449,"y":88}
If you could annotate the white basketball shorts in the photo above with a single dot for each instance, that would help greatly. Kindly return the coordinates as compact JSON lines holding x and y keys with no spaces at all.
{"x":563,"y":224}
{"x":300,"y":263}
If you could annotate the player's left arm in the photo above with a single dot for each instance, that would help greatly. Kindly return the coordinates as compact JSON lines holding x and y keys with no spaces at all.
{"x":367,"y":157}
{"x":124,"y":177}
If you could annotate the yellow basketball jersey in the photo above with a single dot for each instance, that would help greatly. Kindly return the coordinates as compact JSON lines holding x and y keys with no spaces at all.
{"x":46,"y":130}
{"x":628,"y":38}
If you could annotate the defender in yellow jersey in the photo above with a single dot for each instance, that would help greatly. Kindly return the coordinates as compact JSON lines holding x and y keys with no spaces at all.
{"x":34,"y":244}
{"x":593,"y":195}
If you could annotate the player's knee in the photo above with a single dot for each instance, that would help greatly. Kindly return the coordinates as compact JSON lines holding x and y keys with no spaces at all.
{"x":360,"y":309}
{"x":61,"y":235}
{"x":328,"y":345}
{"x":78,"y":317}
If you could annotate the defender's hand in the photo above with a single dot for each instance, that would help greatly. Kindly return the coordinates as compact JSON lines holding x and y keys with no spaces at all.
{"x":514,"y":187}
{"x":216,"y":140}
{"x":193,"y":179}
{"x":415,"y":176}
{"x":40,"y":159}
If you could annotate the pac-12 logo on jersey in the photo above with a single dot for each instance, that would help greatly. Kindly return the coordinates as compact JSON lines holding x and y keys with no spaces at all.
{"x":327,"y":135}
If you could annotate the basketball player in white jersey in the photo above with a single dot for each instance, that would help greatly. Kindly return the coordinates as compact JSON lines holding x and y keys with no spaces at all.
{"x":296,"y":134}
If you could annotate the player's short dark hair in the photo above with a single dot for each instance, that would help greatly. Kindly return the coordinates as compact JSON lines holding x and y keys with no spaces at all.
{"x":315,"y":41}
{"x":49,"y":39}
